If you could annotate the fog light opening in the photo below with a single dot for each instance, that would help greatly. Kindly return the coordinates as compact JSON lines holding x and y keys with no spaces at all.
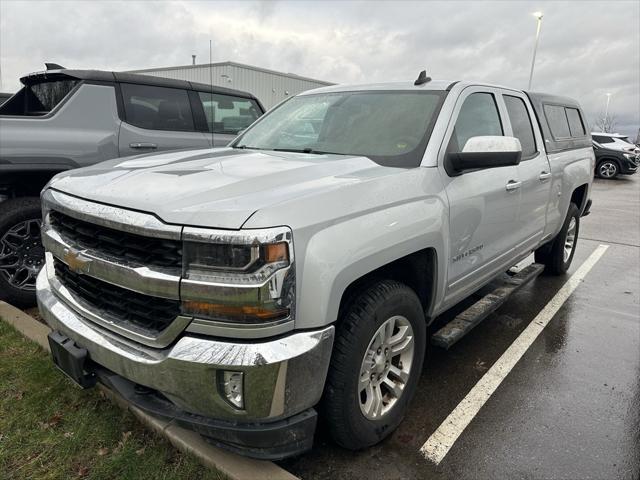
{"x":231,"y":385}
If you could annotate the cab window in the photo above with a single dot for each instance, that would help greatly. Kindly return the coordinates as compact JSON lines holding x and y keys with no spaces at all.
{"x":478,"y":116}
{"x":557,"y":120}
{"x":38,"y":98}
{"x":228,"y":114}
{"x":601,"y":139}
{"x":157,"y":108}
{"x":521,"y":125}
{"x":575,"y":123}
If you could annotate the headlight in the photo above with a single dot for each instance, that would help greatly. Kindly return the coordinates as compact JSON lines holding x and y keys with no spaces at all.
{"x":244,"y":277}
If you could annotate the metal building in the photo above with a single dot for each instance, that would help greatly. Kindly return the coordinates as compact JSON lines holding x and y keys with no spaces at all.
{"x":269,"y":86}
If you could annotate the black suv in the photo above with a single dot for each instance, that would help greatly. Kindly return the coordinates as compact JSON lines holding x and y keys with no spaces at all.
{"x":611,"y":163}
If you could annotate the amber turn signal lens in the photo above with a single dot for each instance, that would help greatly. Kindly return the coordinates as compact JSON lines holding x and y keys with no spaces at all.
{"x":218,"y":310}
{"x":276,"y":252}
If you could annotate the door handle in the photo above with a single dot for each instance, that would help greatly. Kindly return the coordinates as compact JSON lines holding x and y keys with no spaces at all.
{"x":513,"y":185}
{"x":544,"y":176}
{"x":143,"y":145}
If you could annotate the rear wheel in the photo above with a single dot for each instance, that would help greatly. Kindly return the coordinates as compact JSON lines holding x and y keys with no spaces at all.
{"x":376,"y":364}
{"x":558,"y":254}
{"x":607,"y":169}
{"x":21,"y":250}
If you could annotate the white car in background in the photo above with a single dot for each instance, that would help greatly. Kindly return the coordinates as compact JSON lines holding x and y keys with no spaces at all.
{"x":614,"y":141}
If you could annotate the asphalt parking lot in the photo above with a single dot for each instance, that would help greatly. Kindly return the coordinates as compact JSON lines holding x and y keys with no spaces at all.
{"x":569,"y":409}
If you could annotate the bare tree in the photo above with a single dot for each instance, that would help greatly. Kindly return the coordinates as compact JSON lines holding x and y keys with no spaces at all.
{"x":606,"y":123}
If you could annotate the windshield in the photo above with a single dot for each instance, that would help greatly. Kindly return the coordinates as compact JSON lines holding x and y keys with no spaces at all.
{"x":390,"y":128}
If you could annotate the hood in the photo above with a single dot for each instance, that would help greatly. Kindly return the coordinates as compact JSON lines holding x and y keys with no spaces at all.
{"x":218,"y":188}
{"x":619,"y":147}
{"x":616,"y":150}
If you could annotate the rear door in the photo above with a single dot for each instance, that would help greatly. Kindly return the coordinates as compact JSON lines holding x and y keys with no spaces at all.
{"x":157,"y":118}
{"x":224,"y":116}
{"x":534,"y":171}
{"x":483,"y":203}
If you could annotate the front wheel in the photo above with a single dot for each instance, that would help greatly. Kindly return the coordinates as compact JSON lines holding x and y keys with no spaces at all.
{"x":376,"y":365}
{"x":607,"y":169}
{"x":21,"y":250}
{"x":557,"y":255}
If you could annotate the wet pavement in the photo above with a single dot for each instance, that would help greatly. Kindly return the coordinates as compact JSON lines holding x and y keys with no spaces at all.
{"x":570,"y":409}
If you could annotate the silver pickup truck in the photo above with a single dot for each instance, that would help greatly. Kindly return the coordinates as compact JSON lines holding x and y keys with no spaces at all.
{"x":248,"y":291}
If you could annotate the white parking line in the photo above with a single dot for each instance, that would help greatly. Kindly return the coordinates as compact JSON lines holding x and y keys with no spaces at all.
{"x":438,"y":445}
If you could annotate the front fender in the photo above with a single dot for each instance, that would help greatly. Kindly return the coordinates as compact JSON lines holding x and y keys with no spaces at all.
{"x":340,"y":254}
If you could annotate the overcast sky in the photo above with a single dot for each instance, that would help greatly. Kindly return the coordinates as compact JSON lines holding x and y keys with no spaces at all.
{"x":587,"y":48}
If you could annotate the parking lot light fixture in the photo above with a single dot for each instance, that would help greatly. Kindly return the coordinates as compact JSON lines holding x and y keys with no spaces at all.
{"x":606,"y":108}
{"x":538,"y":15}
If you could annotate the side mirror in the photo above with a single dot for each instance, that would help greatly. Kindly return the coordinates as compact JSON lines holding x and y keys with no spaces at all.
{"x":484,"y":152}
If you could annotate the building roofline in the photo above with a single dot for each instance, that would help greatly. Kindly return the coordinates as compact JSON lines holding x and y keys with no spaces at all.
{"x":233,"y":64}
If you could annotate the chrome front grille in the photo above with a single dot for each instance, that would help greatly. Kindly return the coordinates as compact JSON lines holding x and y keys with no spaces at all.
{"x":120,"y":306}
{"x":118,"y":268}
{"x":126,"y":248}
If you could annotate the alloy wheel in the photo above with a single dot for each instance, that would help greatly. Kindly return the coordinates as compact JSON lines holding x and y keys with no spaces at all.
{"x":386,"y":367}
{"x":570,"y":239}
{"x":22,"y":254}
{"x":608,"y":169}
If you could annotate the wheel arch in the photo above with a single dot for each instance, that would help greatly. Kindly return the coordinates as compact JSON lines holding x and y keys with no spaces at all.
{"x":417,"y":270}
{"x":580,"y":196}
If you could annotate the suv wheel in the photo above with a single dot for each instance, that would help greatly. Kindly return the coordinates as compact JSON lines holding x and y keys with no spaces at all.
{"x":21,"y":250}
{"x":376,"y":364}
{"x":607,"y":169}
{"x":558,"y":254}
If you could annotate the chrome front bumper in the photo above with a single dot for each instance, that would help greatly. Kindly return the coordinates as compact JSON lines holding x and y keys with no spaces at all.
{"x":282,"y":377}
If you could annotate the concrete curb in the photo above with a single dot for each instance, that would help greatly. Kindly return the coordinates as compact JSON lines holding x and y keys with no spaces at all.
{"x":234,"y":466}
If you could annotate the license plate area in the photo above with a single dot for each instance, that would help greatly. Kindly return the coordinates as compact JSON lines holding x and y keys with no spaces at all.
{"x":71,"y":359}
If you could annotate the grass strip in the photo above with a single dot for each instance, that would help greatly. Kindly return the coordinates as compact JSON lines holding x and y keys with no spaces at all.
{"x":50,"y":429}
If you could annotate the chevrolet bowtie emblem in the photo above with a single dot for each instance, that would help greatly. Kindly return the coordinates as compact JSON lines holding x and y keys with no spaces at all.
{"x":75,"y":261}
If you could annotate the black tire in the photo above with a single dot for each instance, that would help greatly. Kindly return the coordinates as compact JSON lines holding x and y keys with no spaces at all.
{"x":12,"y":249}
{"x":355,"y":330}
{"x":552,"y":255}
{"x":607,"y":169}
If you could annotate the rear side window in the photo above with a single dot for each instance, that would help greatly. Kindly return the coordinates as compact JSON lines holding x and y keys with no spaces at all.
{"x":601,"y":139}
{"x":575,"y":122}
{"x":228,"y":114}
{"x":157,"y":108}
{"x":478,"y":117}
{"x":39,"y":98}
{"x":521,"y":124}
{"x":558,"y":122}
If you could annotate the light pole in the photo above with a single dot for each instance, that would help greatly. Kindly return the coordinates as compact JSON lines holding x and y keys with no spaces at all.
{"x":606,"y":108}
{"x":538,"y":15}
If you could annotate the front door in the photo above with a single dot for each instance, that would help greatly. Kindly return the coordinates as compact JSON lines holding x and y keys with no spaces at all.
{"x":157,"y":118}
{"x":483,"y":203}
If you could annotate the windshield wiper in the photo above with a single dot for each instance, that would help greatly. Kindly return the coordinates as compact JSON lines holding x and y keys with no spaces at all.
{"x":306,"y":150}
{"x":243,"y":147}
